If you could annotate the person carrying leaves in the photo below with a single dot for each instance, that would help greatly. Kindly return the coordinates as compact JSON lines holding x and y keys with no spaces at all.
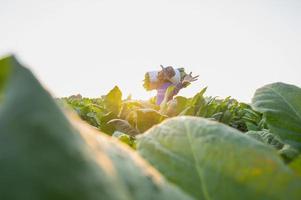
{"x":166,"y":78}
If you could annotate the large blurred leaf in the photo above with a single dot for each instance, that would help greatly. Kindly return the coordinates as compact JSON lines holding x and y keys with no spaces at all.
{"x":139,"y":179}
{"x":280,"y":104}
{"x":210,"y":160}
{"x":43,"y":156}
{"x":296,"y":165}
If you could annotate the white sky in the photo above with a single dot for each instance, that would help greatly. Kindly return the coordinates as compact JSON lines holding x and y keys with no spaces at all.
{"x":87,"y":47}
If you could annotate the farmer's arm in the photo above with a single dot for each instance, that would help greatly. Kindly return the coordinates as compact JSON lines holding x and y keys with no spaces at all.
{"x":184,"y":83}
{"x":177,"y":88}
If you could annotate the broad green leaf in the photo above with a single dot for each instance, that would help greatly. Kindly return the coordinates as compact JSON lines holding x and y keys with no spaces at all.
{"x":146,"y":118}
{"x":104,"y":126}
{"x":176,"y":106}
{"x":280,"y":104}
{"x":210,"y":160}
{"x":138,"y":179}
{"x":195,"y":104}
{"x":113,"y":100}
{"x":43,"y":156}
{"x":123,"y":126}
{"x":127,"y":107}
{"x":288,"y":153}
{"x":266,"y":137}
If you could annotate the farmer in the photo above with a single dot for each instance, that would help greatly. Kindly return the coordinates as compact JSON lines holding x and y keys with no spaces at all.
{"x":165,"y":78}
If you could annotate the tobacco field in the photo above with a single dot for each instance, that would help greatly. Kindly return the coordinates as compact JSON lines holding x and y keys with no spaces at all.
{"x":117,"y":148}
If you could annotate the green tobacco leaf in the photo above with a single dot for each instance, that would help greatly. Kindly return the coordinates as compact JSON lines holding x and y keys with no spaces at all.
{"x":146,"y":118}
{"x":44,"y":157}
{"x":127,"y":107}
{"x":198,"y":99}
{"x":123,"y":126}
{"x":280,"y":104}
{"x":4,"y":73}
{"x":176,"y":106}
{"x":266,"y":137}
{"x":288,"y":153}
{"x":193,"y":106}
{"x":113,"y":100}
{"x":137,"y":178}
{"x":210,"y":160}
